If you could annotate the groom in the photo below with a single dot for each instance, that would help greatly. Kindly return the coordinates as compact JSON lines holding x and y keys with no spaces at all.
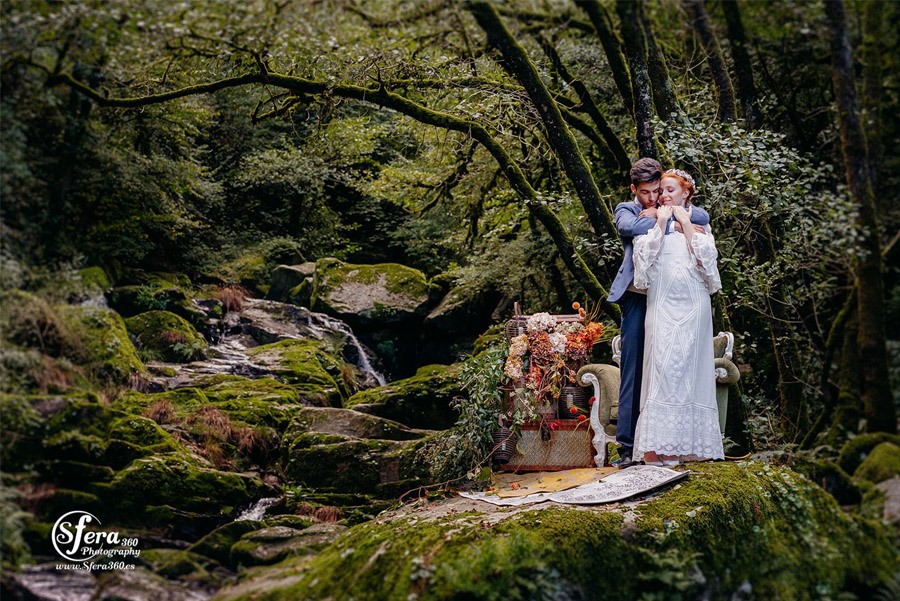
{"x":635,"y":218}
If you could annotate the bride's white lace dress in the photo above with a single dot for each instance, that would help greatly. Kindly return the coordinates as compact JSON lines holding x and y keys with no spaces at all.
{"x":678,"y":412}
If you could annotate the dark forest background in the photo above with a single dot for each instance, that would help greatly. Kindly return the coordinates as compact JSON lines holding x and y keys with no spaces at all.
{"x":485,"y":144}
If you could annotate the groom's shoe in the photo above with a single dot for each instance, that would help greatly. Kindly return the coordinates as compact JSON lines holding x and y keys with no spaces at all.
{"x":626,"y":462}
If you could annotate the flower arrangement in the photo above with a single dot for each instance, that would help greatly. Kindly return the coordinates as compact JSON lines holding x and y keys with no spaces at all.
{"x":546,"y":356}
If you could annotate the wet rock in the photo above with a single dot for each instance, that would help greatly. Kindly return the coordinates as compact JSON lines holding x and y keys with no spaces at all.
{"x":142,"y":585}
{"x":45,"y":583}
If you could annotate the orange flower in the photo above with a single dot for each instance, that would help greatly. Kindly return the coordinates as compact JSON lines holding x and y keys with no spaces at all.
{"x":576,"y":305}
{"x":581,"y":418}
{"x":581,"y":312}
{"x":591,"y":401}
{"x":573,"y":410}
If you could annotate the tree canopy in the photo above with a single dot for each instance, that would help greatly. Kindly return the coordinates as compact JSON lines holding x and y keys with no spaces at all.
{"x":486,"y":141}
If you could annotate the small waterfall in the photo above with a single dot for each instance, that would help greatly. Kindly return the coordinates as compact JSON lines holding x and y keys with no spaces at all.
{"x":257,"y":511}
{"x":336,"y":325}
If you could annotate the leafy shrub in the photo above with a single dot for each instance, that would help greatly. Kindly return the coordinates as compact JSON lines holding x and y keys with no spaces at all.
{"x":467,"y":445}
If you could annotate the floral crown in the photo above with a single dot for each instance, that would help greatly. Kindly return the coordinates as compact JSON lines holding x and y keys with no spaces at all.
{"x":683,"y":175}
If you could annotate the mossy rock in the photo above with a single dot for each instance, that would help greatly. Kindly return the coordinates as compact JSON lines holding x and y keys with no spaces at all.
{"x":421,"y":401}
{"x":63,"y":500}
{"x":881,"y":464}
{"x":276,"y":543}
{"x":74,"y":474}
{"x":105,"y":350}
{"x":855,"y":451}
{"x":349,"y":423}
{"x":286,"y":278}
{"x":176,"y":481}
{"x":328,"y":462}
{"x":832,"y":478}
{"x":307,"y":365}
{"x":180,"y":564}
{"x":182,"y":400}
{"x":382,"y":294}
{"x":166,"y":336}
{"x":253,"y":269}
{"x":464,"y":312}
{"x":159,"y":292}
{"x":217,"y":544}
{"x":29,"y":321}
{"x":94,"y":277}
{"x":726,"y":530}
{"x":23,"y":428}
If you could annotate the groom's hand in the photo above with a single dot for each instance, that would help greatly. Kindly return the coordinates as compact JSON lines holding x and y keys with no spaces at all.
{"x":697,"y":228}
{"x":651,"y":213}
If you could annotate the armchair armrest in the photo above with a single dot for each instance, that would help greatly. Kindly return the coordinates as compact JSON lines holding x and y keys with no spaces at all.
{"x":726,"y":372}
{"x":605,"y":382}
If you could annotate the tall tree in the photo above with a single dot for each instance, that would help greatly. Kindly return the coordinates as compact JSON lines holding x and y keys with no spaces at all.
{"x":558,"y":133}
{"x":612,"y":46}
{"x":663,"y":91}
{"x":636,"y":49}
{"x":743,"y":67}
{"x":876,"y":396}
{"x":724,"y":89}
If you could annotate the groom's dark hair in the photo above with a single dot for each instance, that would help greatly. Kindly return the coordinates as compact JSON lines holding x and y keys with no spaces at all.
{"x":645,"y":170}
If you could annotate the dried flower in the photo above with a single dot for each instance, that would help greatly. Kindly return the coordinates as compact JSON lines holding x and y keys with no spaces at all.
{"x":576,"y":305}
{"x":591,"y":400}
{"x":573,"y":410}
{"x":581,"y":418}
{"x":540,"y":322}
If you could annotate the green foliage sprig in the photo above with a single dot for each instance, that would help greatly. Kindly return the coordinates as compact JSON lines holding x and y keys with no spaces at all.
{"x":466,"y":446}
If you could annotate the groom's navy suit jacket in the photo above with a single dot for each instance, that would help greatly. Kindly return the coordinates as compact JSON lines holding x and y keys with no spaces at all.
{"x":630,"y":225}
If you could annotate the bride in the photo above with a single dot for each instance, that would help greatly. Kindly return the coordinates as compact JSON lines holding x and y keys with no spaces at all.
{"x":679,"y":416}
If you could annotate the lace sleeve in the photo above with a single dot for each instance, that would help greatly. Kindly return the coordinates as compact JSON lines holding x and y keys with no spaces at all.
{"x":706,"y":253}
{"x":646,"y":250}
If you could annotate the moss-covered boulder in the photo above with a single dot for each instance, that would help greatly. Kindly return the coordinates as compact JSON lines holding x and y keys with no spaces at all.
{"x":308,"y":366}
{"x":464,"y":312}
{"x":287,"y":278}
{"x":345,"y":422}
{"x":105,"y":350}
{"x":276,"y":543}
{"x":382,"y":294}
{"x":422,"y":401}
{"x":882,"y":463}
{"x":177,"y":481}
{"x":158,"y":292}
{"x":855,"y":450}
{"x":166,"y":336}
{"x":730,"y":530}
{"x":29,"y":321}
{"x":336,"y":463}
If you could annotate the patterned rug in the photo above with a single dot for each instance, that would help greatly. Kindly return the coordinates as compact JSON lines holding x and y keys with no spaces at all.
{"x":619,"y":486}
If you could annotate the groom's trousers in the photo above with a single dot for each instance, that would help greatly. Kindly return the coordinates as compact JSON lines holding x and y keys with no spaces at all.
{"x":631,"y":368}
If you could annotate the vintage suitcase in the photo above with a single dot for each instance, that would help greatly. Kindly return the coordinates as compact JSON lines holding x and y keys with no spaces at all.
{"x":569,"y":447}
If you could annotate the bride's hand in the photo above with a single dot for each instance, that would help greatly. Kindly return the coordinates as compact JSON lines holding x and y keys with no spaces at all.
{"x":682,"y":215}
{"x":663,"y":213}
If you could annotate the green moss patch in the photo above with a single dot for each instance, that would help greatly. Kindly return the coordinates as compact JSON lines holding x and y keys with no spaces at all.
{"x":881,"y":464}
{"x":307,"y":365}
{"x":178,"y":482}
{"x":421,"y":401}
{"x":855,"y":451}
{"x":165,"y":336}
{"x":106,"y":350}
{"x":382,"y":293}
{"x":726,"y":528}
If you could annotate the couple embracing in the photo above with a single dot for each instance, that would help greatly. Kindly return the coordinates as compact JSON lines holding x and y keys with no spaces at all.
{"x":667,"y":397}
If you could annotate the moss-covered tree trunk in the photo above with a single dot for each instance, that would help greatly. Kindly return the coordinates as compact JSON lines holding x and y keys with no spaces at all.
{"x":877,"y":400}
{"x":663,"y":91}
{"x":724,"y":89}
{"x":519,"y":65}
{"x":743,"y":67}
{"x":873,"y":66}
{"x":636,"y":49}
{"x":611,"y":142}
{"x":612,"y":46}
